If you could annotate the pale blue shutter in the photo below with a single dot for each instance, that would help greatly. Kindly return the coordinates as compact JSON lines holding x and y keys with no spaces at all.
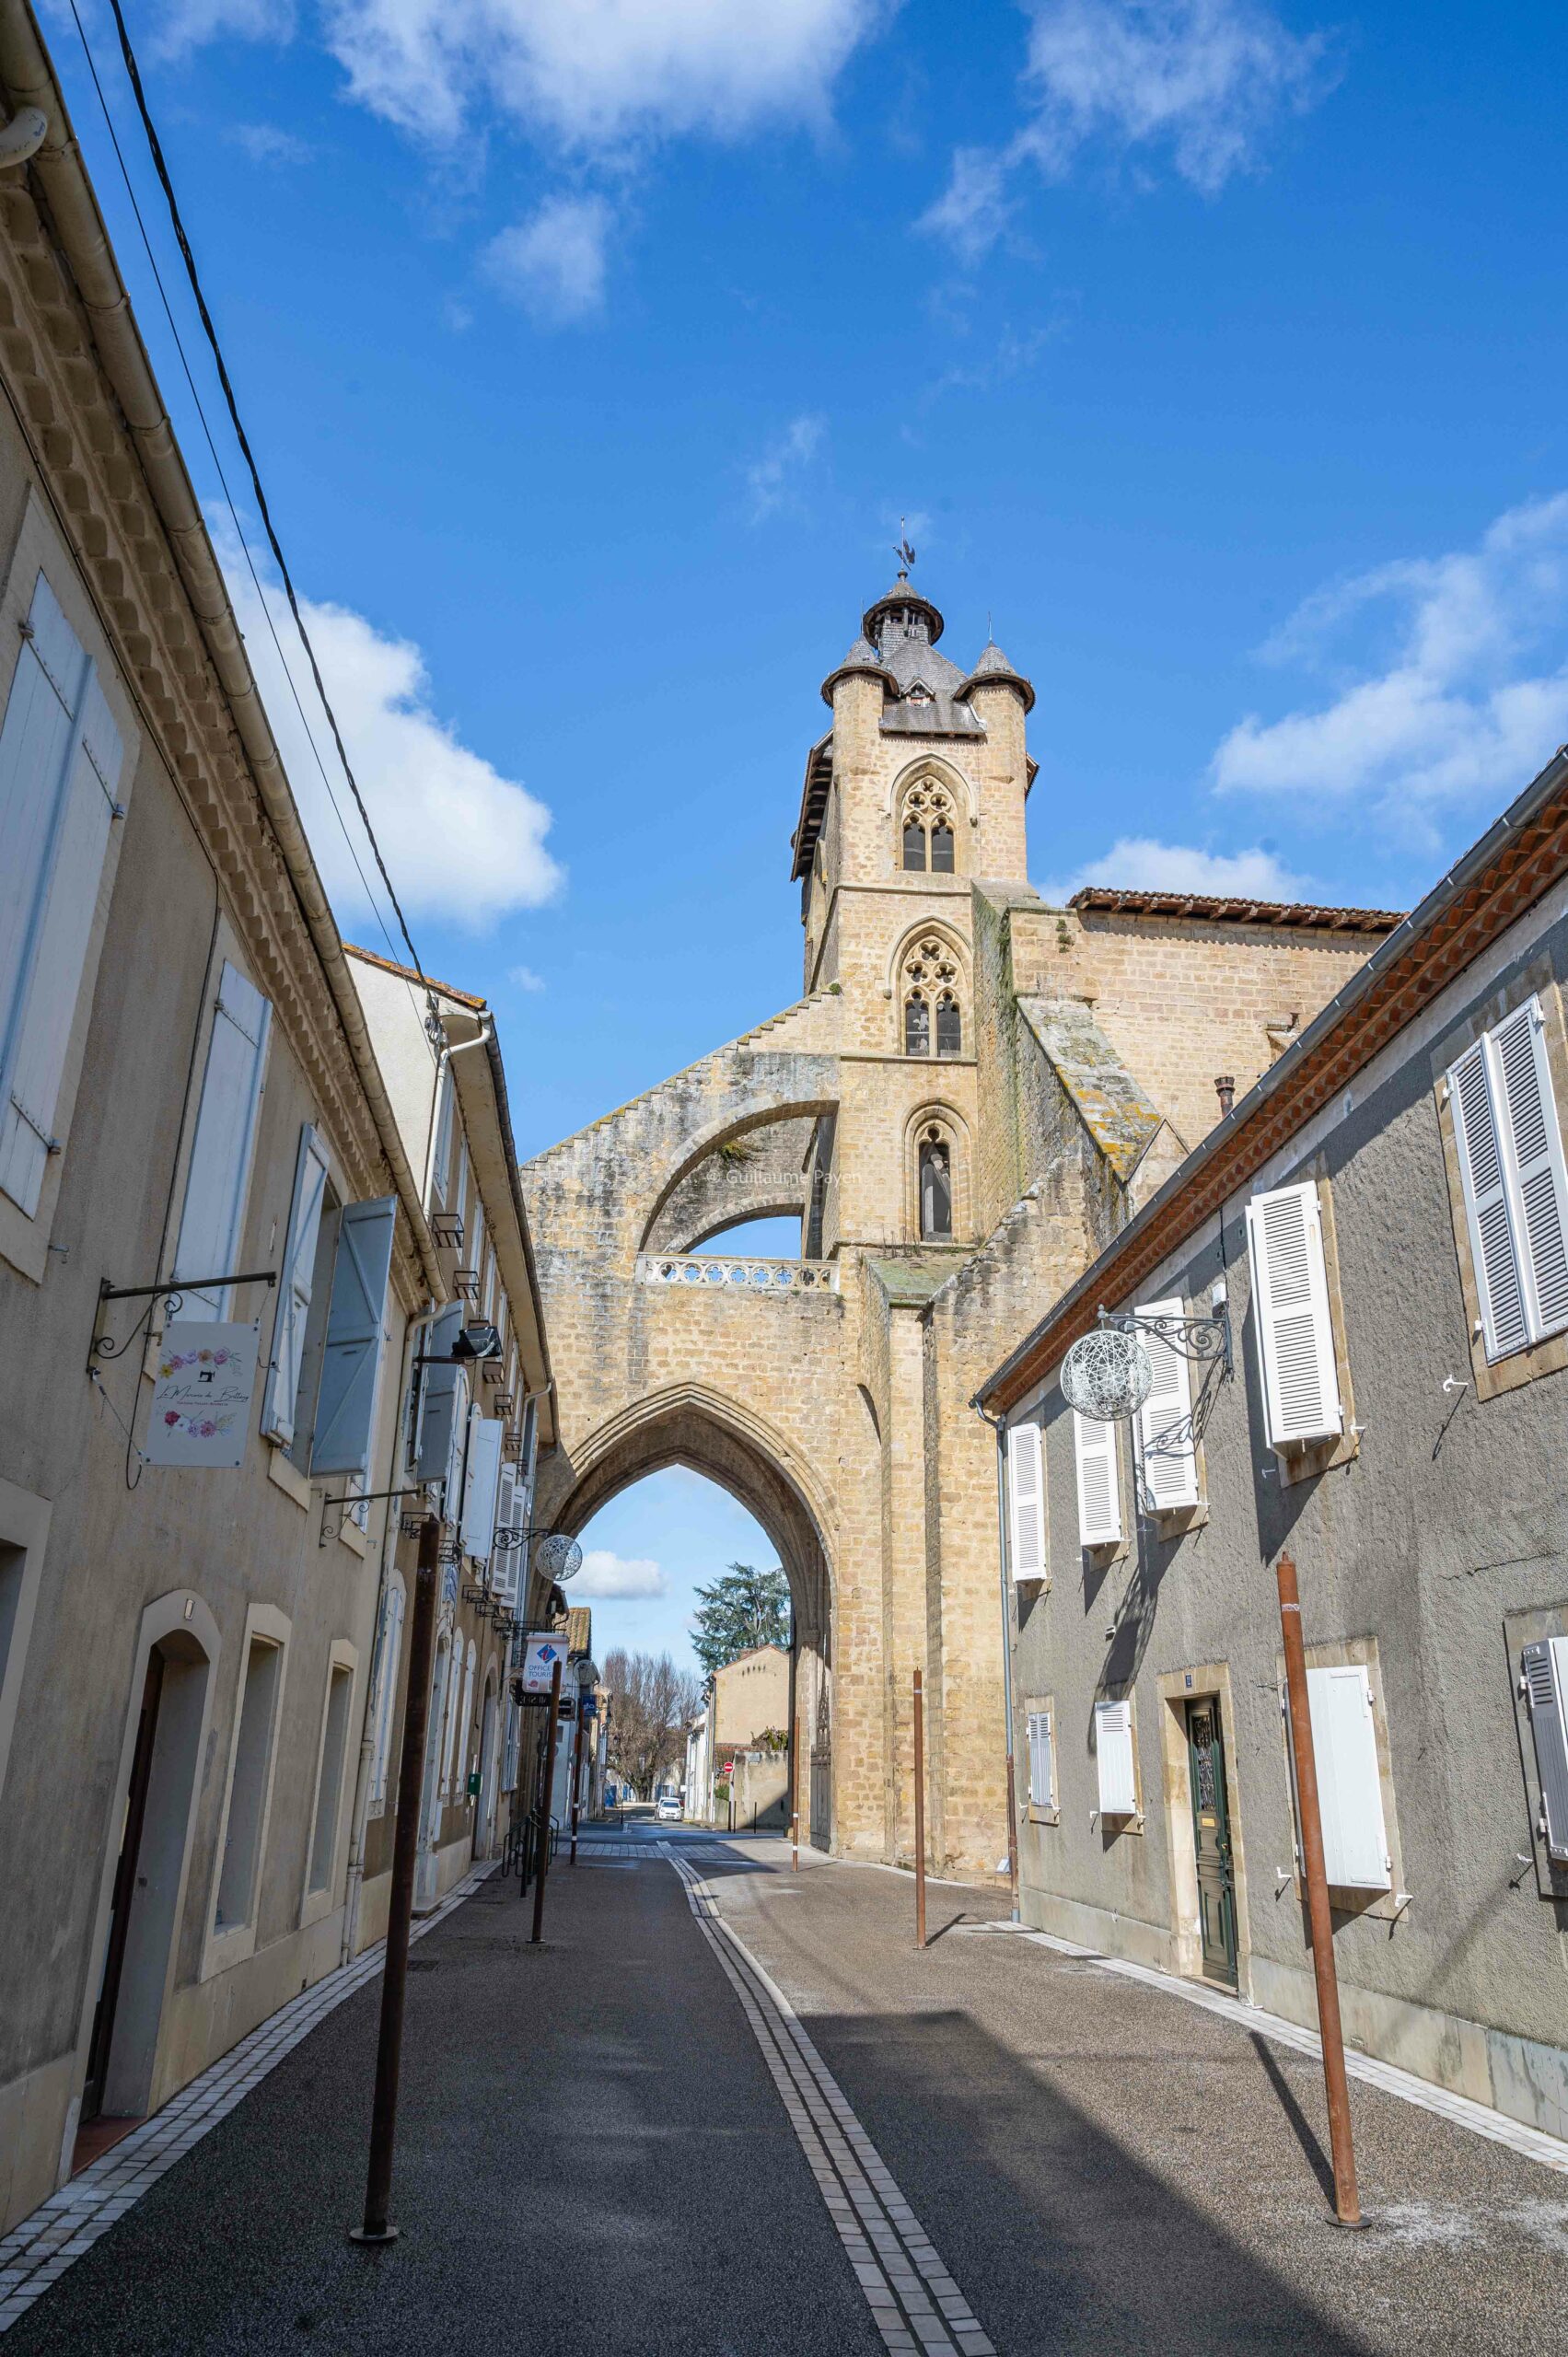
{"x":351,"y":1355}
{"x":295,"y":1283}
{"x":484,"y":1482}
{"x":438,"y":1395}
{"x":60,"y":764}
{"x":218,"y":1176}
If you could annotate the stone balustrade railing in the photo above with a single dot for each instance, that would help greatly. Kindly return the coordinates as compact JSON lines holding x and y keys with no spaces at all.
{"x":722,"y":1269}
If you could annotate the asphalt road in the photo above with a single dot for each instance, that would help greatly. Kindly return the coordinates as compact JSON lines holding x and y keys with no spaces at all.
{"x":593,"y":2157}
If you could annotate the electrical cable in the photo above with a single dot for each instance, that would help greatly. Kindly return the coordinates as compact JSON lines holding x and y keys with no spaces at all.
{"x":161,"y":168}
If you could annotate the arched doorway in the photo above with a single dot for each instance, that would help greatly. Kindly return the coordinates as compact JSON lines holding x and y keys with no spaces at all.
{"x":692,"y":1427}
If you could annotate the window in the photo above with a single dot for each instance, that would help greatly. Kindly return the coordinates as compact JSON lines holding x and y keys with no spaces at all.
{"x":1544,"y":1668}
{"x":330,"y":1784}
{"x":931,"y":1002}
{"x":1115,"y":1761}
{"x":1350,"y":1788}
{"x":1514,"y":1181}
{"x":1100,"y":1489}
{"x":1043,"y":1758}
{"x":1167,"y":1451}
{"x":926,"y":829}
{"x":388,"y":1660}
{"x":1295,"y":1333}
{"x":60,"y":766}
{"x":936,"y":1187}
{"x":259,"y":1692}
{"x":217,"y":1176}
{"x":1026,"y":1500}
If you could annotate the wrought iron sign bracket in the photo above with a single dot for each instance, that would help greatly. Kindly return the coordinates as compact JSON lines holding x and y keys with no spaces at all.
{"x":359,"y":1498}
{"x":1205,"y":1340}
{"x":104,"y":1346}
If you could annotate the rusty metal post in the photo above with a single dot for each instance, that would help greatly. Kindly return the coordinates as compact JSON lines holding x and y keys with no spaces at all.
{"x":1347,"y":2202}
{"x":919,"y":1813}
{"x":802,"y":1769}
{"x":375,"y":2228}
{"x":577,"y":1776}
{"x":541,"y":1863}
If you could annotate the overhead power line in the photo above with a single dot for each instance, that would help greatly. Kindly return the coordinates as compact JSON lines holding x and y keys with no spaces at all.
{"x":156,"y":147}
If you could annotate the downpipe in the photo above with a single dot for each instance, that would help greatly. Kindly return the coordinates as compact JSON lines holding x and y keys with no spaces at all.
{"x":998,"y":1425}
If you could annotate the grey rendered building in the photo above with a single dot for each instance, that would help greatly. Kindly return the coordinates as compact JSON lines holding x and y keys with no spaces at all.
{"x":1382,"y":1225}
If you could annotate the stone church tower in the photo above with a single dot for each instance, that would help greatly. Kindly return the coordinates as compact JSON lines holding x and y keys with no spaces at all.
{"x":974,"y":1092}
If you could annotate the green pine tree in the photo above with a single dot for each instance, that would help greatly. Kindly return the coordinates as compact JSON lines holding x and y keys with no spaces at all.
{"x":743,"y":1609}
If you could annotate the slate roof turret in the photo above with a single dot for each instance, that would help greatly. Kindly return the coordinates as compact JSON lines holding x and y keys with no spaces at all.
{"x":993,"y":670}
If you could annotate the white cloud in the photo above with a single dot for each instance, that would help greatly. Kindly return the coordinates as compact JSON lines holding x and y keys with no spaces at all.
{"x":523,"y":978}
{"x":553,"y":263}
{"x":1466,"y":698}
{"x":462,"y":843}
{"x":605,"y":1573}
{"x":595,"y":74}
{"x":268,"y":143}
{"x":772,"y":480}
{"x":185,"y":24}
{"x":1138,"y":864}
{"x":1203,"y":81}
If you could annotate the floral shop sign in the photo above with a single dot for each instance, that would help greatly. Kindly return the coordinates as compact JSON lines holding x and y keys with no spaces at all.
{"x":205,"y":1376}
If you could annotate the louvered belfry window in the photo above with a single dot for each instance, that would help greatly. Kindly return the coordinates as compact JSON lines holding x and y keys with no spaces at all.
{"x":1295,"y":1326}
{"x":1516,"y":1185}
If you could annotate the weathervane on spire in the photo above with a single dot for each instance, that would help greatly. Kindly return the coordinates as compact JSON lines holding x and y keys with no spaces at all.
{"x":904,"y":553}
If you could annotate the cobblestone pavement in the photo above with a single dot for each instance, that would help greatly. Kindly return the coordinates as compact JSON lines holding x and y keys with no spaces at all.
{"x":727,"y":2110}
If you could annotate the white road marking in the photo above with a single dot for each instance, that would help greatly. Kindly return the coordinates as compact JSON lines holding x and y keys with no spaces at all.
{"x":914,"y":2303}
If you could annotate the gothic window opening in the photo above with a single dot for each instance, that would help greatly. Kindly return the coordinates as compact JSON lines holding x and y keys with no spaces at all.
{"x":927,"y":828}
{"x":936,"y":1187}
{"x":931,"y":1001}
{"x":950,"y":1030}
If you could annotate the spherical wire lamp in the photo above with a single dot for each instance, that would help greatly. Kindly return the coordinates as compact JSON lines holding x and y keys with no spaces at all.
{"x":1106,"y":1374}
{"x":558,"y":1557}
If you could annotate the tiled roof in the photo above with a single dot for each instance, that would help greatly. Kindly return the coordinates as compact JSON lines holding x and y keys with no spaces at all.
{"x":428,"y":981}
{"x":1110,"y":899}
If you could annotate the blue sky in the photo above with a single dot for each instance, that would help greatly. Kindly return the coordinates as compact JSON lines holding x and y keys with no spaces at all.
{"x":593,"y":350}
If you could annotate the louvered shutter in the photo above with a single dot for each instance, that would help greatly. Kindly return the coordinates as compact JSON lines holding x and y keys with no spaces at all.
{"x":1042,"y":1779}
{"x":1545,"y":1667}
{"x":1026,"y":1487}
{"x":1505,"y":1325}
{"x":1165,"y":1420}
{"x":60,"y":764}
{"x":484,"y":1477}
{"x":1113,"y":1755}
{"x":441,"y":1151}
{"x":438,"y":1395}
{"x":1100,"y":1490}
{"x":504,"y":1565}
{"x":1350,"y":1789}
{"x":386,"y":1691}
{"x":351,"y":1353}
{"x":218,"y":1176}
{"x":1295,"y":1333}
{"x":1538,"y":1182}
{"x":294,"y":1287}
{"x":458,"y":1455}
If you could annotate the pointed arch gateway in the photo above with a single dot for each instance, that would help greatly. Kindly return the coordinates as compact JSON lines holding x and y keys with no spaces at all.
{"x":696,"y":1426}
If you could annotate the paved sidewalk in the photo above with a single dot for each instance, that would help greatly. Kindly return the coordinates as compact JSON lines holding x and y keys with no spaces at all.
{"x":1107,"y":2167}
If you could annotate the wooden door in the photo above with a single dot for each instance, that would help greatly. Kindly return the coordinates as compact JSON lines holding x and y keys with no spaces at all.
{"x":124,"y":1890}
{"x":1211,"y":1840}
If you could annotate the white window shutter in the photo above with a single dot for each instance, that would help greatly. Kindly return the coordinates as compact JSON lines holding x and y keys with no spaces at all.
{"x":504,"y":1565}
{"x":1026,"y":1489}
{"x":437,"y":1395}
{"x":1042,"y":1766}
{"x":387,"y":1690}
{"x":1488,"y":1215}
{"x":1113,"y":1755}
{"x":1100,"y":1489}
{"x":1545,"y":1667}
{"x":294,"y":1282}
{"x":352,"y":1349}
{"x":60,"y":764}
{"x":441,"y":1151}
{"x":1165,"y":1420}
{"x":1350,"y":1789}
{"x":458,"y":1455}
{"x":218,"y":1174}
{"x":1296,"y":1331}
{"x":481,"y":1493}
{"x":1538,"y":1179}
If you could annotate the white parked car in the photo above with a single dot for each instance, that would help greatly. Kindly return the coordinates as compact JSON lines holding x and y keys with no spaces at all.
{"x":669,"y":1811}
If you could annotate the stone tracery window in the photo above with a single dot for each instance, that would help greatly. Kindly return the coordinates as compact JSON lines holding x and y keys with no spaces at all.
{"x":927,"y":828}
{"x":931,"y":1002}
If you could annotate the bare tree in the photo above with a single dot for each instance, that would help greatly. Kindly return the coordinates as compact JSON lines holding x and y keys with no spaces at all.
{"x":650,"y":1703}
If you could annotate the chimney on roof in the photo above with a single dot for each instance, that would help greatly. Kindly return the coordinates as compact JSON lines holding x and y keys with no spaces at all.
{"x":1225,"y":1090}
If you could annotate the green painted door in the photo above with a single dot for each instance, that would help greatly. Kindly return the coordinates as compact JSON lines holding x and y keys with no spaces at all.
{"x":1211,"y":1840}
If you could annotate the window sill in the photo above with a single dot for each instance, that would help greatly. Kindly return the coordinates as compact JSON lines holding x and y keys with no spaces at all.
{"x":1493,"y":1376}
{"x":1044,"y":1815}
{"x":236,"y":1944}
{"x":1303,"y":1461}
{"x":285,"y":1475}
{"x":355,"y":1539}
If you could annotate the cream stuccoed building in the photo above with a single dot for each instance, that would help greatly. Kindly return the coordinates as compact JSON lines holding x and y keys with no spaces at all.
{"x":974,"y":1086}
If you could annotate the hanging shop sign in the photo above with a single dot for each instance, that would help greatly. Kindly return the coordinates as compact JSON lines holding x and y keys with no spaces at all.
{"x":540,"y":1657}
{"x":205,"y":1376}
